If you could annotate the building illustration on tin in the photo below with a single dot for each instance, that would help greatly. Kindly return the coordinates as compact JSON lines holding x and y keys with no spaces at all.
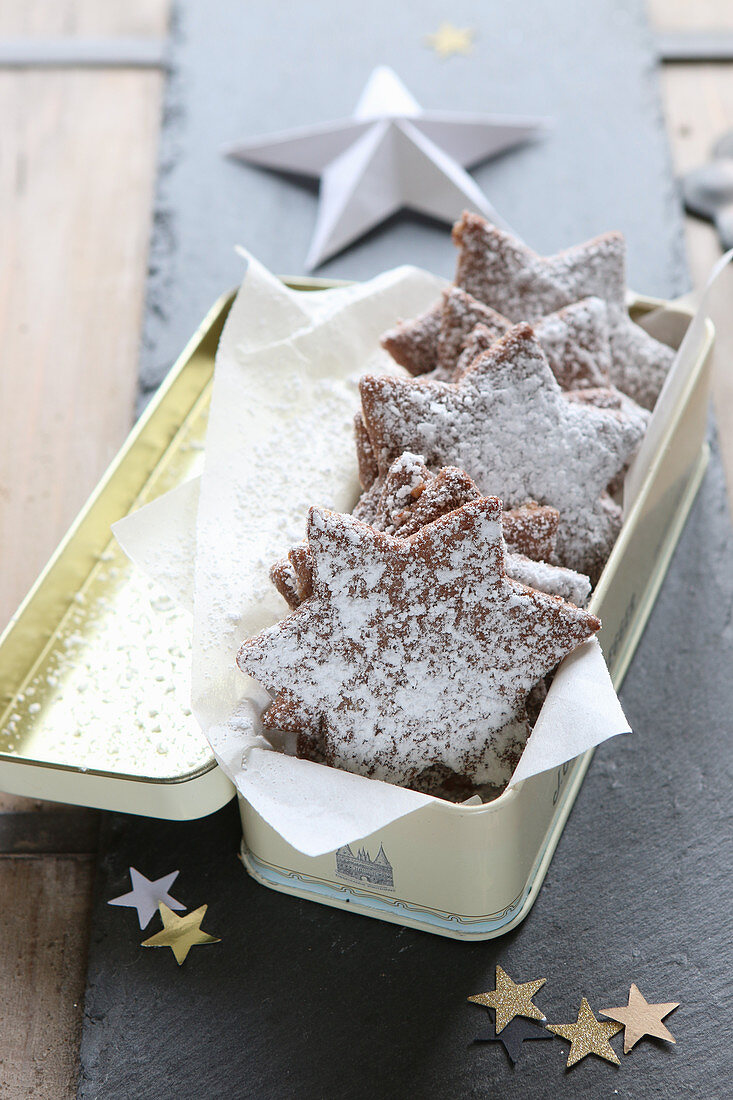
{"x":359,"y":867}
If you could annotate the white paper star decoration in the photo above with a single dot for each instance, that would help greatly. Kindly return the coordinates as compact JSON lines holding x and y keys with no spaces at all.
{"x":390,"y":155}
{"x":147,"y":894}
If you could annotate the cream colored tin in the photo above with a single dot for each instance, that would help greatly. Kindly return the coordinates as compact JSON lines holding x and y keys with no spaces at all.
{"x":77,"y":724}
{"x":473,"y":872}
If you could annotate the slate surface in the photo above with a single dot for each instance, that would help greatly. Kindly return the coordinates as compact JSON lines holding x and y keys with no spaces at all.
{"x":301,"y":1000}
{"x":242,"y":70}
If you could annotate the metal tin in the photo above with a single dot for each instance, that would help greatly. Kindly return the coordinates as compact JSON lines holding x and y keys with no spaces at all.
{"x":87,"y":621}
{"x":473,"y":872}
{"x":74,"y":728}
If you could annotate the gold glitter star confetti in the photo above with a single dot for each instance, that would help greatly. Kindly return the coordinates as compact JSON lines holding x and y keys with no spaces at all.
{"x":180,"y":933}
{"x":449,"y":40}
{"x":510,"y":999}
{"x":639,"y":1018}
{"x":588,"y":1036}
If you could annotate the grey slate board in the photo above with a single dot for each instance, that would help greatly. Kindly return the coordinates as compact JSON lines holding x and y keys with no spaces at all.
{"x":241,"y":70}
{"x":301,"y":1000}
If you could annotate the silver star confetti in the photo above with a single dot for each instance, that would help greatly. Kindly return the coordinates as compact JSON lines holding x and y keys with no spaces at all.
{"x":147,"y":894}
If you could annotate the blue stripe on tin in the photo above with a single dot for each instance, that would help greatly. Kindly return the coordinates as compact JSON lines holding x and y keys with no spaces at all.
{"x":373,"y":905}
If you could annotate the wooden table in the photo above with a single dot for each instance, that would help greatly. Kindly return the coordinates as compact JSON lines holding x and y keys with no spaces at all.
{"x":78,"y":171}
{"x":77,"y":182}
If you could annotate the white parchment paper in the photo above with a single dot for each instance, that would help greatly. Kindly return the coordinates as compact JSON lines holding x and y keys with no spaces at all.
{"x":280,"y":439}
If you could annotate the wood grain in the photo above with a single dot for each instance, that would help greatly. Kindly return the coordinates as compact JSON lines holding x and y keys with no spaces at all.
{"x":76,"y":182}
{"x":682,"y":15}
{"x":45,"y":922}
{"x":76,"y":185}
{"x":84,"y":17}
{"x":699,"y":107}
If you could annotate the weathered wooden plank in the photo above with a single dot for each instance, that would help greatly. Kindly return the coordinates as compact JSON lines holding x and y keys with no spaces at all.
{"x":52,"y":832}
{"x":698,"y":103}
{"x":84,"y":17}
{"x":681,"y":15}
{"x":76,"y":179}
{"x":699,"y":107}
{"x":44,"y":907}
{"x":76,"y":186}
{"x":31,"y":827}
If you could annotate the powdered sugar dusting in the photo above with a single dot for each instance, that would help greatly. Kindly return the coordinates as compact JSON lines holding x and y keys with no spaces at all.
{"x":502,"y":272}
{"x":564,"y":454}
{"x":575,"y":339}
{"x":255,"y":490}
{"x":413,"y":651}
{"x":409,"y":497}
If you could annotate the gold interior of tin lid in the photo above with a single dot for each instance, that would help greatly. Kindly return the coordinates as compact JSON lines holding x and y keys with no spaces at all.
{"x":95,"y":665}
{"x":109,"y":691}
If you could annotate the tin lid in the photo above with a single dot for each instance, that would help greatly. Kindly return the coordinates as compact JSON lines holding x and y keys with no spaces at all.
{"x":75,"y":723}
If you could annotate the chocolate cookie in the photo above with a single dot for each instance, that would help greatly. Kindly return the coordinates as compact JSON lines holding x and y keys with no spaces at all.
{"x":413,"y":652}
{"x":575,"y":339}
{"x":507,"y":423}
{"x":503,"y":273}
{"x":410,"y":497}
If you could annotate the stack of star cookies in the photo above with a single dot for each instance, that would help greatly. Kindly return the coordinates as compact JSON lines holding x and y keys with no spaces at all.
{"x":423,"y":626}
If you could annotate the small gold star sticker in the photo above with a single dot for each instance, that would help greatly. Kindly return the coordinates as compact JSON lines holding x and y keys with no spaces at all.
{"x":587,"y":1036}
{"x":640,"y":1018}
{"x":510,"y":999}
{"x":449,"y":40}
{"x":180,"y":933}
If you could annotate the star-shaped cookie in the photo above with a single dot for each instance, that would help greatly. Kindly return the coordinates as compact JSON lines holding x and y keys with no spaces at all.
{"x":410,"y":496}
{"x":510,"y":999}
{"x":575,"y":339}
{"x":507,"y":423}
{"x":480,"y":340}
{"x":414,"y":343}
{"x":413,"y":652}
{"x":502,"y":272}
{"x":588,"y":1036}
{"x":639,"y":1018}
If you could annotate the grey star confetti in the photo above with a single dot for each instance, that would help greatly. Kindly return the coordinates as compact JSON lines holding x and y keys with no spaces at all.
{"x":147,"y":894}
